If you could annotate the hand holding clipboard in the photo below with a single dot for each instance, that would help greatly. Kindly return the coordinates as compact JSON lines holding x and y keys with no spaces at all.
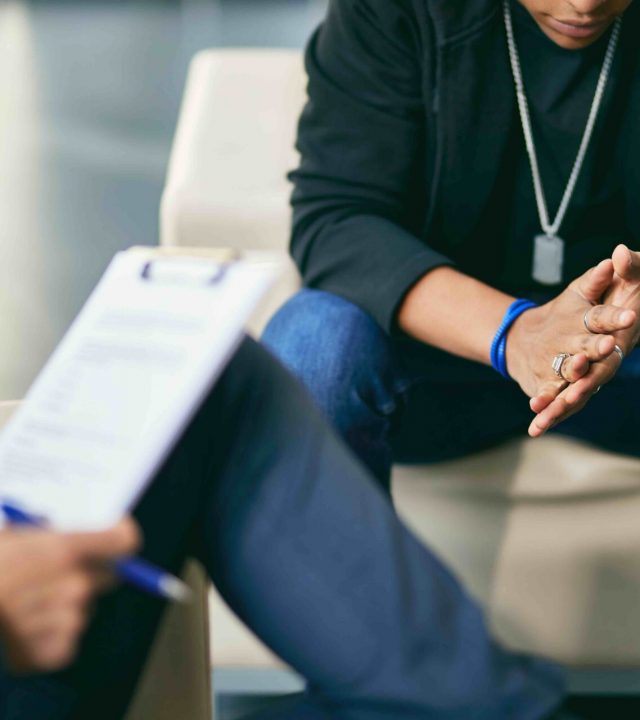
{"x":122,"y":386}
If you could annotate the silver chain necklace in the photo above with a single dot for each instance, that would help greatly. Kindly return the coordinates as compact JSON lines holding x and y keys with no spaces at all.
{"x":549,"y":249}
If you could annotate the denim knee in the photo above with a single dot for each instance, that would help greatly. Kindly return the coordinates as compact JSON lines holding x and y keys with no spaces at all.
{"x":338,"y":351}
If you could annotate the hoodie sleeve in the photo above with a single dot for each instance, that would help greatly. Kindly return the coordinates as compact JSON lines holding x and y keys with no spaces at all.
{"x":359,"y":193}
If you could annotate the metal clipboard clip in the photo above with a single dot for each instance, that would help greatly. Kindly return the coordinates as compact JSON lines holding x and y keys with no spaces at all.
{"x":187,"y":269}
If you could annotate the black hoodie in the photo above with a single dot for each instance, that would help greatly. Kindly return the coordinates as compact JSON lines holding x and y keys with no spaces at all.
{"x":410,"y":121}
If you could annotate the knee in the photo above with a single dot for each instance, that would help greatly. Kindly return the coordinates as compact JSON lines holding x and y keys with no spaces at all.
{"x":332,"y":345}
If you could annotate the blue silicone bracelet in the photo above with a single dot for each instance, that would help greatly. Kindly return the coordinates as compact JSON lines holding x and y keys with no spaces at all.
{"x":499,"y":344}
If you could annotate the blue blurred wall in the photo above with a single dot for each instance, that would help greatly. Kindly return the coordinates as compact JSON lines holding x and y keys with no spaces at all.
{"x":89,"y":97}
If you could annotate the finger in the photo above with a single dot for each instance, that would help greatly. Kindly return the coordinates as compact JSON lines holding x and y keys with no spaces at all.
{"x":594,"y":347}
{"x":549,"y":416}
{"x":547,"y":394}
{"x":73,"y":589}
{"x":566,"y":404}
{"x":61,"y":615}
{"x":626,"y":263}
{"x":537,"y":428}
{"x":593,"y":284}
{"x":575,"y":397}
{"x":558,"y":411}
{"x":540,"y":402}
{"x":47,"y":641}
{"x":601,"y":374}
{"x":123,"y":539}
{"x":575,"y":367}
{"x":56,"y":648}
{"x":39,"y":556}
{"x":609,"y":319}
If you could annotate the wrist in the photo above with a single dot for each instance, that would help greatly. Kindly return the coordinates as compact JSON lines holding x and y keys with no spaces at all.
{"x":519,"y":338}
{"x":500,"y":354}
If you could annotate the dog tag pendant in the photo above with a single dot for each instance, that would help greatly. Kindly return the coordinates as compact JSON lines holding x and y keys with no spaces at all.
{"x":548,"y":259}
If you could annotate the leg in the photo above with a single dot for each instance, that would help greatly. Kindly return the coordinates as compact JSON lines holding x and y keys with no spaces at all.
{"x":348,"y":365}
{"x":311,"y":555}
{"x":391,"y":398}
{"x":309,"y":552}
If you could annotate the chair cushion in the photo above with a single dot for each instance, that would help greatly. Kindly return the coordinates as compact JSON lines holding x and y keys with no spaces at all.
{"x":545,"y":534}
{"x":549,"y":468}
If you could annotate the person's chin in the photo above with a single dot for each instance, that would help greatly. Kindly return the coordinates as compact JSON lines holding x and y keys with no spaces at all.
{"x":573,"y":37}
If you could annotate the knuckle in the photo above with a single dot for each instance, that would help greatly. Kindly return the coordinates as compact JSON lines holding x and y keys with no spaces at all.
{"x":595,"y":347}
{"x":561,"y":407}
{"x":595,"y":317}
{"x":574,"y":401}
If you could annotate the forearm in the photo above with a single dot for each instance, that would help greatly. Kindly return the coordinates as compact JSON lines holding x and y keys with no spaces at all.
{"x":454,"y":312}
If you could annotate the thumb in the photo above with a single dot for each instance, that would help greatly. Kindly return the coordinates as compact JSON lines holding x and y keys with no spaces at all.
{"x":123,"y":539}
{"x":626,"y":263}
{"x":546,"y":395}
{"x":594,"y":283}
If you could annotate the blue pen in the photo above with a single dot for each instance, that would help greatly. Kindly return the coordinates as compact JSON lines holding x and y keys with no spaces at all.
{"x":141,"y":574}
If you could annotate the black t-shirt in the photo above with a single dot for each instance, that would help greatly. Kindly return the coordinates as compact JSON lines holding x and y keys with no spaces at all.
{"x":560,"y":86}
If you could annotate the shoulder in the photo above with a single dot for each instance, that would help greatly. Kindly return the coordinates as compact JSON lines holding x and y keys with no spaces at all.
{"x":378,"y":13}
{"x":437,"y":18}
{"x":399,"y":24}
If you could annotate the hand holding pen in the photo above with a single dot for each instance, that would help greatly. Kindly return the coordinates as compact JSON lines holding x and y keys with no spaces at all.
{"x":136,"y":572}
{"x":48,"y":581}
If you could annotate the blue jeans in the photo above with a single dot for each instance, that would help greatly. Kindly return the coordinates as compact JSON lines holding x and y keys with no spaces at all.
{"x":397,"y":400}
{"x":309,"y":553}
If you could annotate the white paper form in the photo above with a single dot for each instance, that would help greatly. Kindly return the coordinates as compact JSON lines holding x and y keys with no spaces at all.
{"x":123,"y":384}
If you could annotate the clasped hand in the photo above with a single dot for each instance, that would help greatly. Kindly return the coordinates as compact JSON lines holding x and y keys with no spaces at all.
{"x":597,"y":312}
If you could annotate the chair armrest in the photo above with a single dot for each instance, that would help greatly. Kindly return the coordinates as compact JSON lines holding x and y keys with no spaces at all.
{"x":177,"y":682}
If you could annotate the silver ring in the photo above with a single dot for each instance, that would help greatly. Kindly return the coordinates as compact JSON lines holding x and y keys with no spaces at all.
{"x":620,"y":352}
{"x":558,"y":362}
{"x":586,"y":324}
{"x":597,"y":390}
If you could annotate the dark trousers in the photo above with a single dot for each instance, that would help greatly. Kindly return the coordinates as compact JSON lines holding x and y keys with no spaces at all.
{"x":306,"y":548}
{"x":397,"y":400}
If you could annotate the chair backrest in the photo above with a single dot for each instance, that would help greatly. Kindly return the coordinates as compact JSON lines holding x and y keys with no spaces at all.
{"x":235,"y":142}
{"x":226,"y":184}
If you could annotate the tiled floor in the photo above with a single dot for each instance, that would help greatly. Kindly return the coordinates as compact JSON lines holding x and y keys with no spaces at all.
{"x":89,"y":95}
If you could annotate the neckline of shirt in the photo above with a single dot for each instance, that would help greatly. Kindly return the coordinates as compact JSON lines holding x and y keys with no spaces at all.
{"x":524,"y":20}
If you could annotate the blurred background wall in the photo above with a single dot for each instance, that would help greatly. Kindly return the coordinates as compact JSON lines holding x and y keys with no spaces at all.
{"x":89,"y":98}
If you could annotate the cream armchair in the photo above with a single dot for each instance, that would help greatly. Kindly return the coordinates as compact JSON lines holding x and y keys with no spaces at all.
{"x":546,"y":533}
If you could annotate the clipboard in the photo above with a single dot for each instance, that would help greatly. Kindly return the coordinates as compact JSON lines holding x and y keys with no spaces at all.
{"x":125,"y":381}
